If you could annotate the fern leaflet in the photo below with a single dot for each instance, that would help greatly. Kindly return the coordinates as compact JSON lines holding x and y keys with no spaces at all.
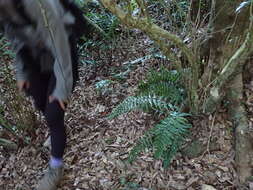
{"x":142,"y":102}
{"x":164,"y":139}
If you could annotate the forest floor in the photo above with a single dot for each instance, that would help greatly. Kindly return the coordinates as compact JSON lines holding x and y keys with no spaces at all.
{"x":97,"y":147}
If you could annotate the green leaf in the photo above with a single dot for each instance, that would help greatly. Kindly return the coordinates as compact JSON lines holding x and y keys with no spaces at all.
{"x":164,"y":139}
{"x":142,"y":102}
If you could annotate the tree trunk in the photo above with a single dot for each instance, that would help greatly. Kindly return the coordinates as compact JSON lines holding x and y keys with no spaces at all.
{"x":243,"y":143}
{"x":229,"y":36}
{"x":231,"y":43}
{"x":228,"y":29}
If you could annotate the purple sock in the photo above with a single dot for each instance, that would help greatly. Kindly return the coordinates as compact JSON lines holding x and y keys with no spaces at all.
{"x":55,"y":162}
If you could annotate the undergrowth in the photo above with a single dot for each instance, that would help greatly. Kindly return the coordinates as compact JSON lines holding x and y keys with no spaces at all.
{"x":101,"y":40}
{"x":17,"y":117}
{"x":163,"y":95}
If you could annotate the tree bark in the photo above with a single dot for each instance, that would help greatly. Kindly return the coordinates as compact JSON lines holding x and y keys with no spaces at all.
{"x":243,"y":143}
{"x":230,"y":46}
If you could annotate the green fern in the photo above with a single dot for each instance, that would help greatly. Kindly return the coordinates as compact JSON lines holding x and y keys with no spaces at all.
{"x":170,"y":93}
{"x":164,"y":139}
{"x":165,"y":75}
{"x":162,"y":93}
{"x":165,"y":84}
{"x":142,"y":102}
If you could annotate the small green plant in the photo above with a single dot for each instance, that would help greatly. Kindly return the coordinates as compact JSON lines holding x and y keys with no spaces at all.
{"x":165,"y":84}
{"x":106,"y":21}
{"x":103,"y":86}
{"x":179,"y":12}
{"x":103,"y":27}
{"x":175,"y":12}
{"x":94,"y":11}
{"x":161,"y":94}
{"x":165,"y":139}
{"x":80,"y":2}
{"x":4,"y":50}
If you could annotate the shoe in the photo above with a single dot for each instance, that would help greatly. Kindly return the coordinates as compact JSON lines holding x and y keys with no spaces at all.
{"x":51,"y":179}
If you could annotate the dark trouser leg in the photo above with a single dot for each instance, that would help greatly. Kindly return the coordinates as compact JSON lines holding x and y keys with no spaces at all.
{"x":55,"y":119}
{"x":41,"y":86}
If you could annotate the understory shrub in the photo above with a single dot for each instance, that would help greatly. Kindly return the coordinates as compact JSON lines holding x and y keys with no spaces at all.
{"x":17,"y":117}
{"x":163,"y":95}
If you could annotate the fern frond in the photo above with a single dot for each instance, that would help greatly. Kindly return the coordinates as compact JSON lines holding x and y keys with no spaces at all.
{"x":165,"y":138}
{"x":142,"y":102}
{"x":172,"y":93}
{"x":165,"y":75}
{"x":166,"y":84}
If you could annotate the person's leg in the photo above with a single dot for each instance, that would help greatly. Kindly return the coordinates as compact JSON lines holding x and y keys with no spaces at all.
{"x":54,"y":113}
{"x":55,"y":120}
{"x":54,"y":116}
{"x":41,"y":86}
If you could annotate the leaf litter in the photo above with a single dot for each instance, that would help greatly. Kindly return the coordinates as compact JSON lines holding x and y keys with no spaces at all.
{"x":97,"y":148}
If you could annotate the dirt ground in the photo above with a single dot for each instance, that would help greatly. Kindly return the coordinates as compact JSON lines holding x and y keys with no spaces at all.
{"x":97,"y":148}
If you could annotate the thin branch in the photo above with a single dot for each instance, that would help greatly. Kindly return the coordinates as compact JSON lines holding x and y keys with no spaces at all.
{"x":143,"y":8}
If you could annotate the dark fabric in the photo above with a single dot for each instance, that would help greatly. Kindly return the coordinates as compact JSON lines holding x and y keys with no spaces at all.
{"x":54,"y":115}
{"x":24,"y":19}
{"x":33,"y":64}
{"x":28,"y":59}
{"x":19,"y":6}
{"x":80,"y":27}
{"x":41,"y":86}
{"x":74,"y":59}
